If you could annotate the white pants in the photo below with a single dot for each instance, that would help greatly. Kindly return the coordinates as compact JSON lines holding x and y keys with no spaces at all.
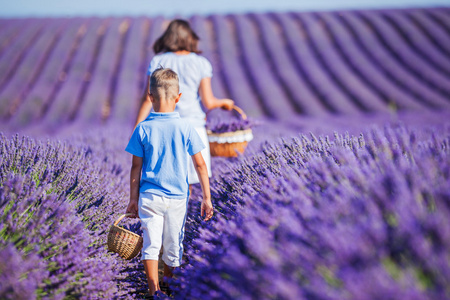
{"x":162,"y":221}
{"x":192,"y":174}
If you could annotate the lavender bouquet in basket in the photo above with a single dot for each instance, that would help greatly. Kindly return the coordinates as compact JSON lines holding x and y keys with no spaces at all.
{"x":222,"y":125}
{"x":228,"y":135}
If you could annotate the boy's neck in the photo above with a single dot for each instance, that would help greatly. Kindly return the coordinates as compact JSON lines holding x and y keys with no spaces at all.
{"x":163,"y":111}
{"x":163,"y":106}
{"x":166,"y":107}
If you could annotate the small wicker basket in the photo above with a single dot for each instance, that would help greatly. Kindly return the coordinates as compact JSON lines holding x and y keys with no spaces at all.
{"x":236,"y":142}
{"x":122,"y":241}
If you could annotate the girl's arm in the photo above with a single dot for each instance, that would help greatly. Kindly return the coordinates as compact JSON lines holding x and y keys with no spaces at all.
{"x":209,"y":101}
{"x":146,"y":104}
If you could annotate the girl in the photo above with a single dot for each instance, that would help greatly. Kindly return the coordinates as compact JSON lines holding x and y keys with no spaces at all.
{"x":177,"y":49}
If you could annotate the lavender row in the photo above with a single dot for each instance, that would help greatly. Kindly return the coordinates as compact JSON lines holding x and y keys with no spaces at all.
{"x":204,"y":29}
{"x":273,"y":98}
{"x":154,"y":28}
{"x":390,"y":67}
{"x":436,"y":33}
{"x":278,"y":65}
{"x":16,"y":49}
{"x":157,"y":27}
{"x":128,"y":87}
{"x":234,"y":73}
{"x":419,"y":42}
{"x":35,"y":59}
{"x":403,"y":54}
{"x":95,"y":102}
{"x":45,"y":249}
{"x":354,"y":217}
{"x":37,"y":98}
{"x":10,"y":30}
{"x":352,"y":85}
{"x":87,"y":177}
{"x":362,"y":65}
{"x":440,"y":16}
{"x":127,"y":92}
{"x":15,"y":79}
{"x":292,"y":81}
{"x":58,"y":200}
{"x":306,"y":60}
{"x":66,"y":101}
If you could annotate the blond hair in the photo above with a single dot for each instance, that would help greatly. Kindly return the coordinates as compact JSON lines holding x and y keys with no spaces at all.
{"x":164,"y":84}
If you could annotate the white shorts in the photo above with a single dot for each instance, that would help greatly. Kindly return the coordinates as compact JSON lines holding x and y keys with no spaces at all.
{"x":192,"y":174}
{"x":162,"y":222}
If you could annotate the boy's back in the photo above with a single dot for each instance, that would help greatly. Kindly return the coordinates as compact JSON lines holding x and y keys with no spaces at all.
{"x":165,"y":142}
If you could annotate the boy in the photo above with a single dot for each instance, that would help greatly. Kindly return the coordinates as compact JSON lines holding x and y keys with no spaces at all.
{"x":160,"y":146}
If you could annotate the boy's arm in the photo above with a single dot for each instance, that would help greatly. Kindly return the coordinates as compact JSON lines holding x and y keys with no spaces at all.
{"x":202,"y":173}
{"x":135,"y":178}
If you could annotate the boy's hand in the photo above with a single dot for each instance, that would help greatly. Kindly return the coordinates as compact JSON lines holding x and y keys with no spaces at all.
{"x":207,"y":209}
{"x":132,"y":209}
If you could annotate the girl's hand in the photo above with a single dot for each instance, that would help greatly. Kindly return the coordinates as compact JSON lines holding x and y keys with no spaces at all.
{"x":207,"y":209}
{"x":227,"y":104}
{"x":132,"y":209}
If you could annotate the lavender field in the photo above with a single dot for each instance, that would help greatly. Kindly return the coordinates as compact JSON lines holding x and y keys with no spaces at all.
{"x":343,"y":194}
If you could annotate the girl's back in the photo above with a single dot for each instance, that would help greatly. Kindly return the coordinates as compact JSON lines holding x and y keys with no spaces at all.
{"x":191,"y":69}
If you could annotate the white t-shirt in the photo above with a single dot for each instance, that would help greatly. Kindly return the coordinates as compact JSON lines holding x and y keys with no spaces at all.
{"x":191,"y":69}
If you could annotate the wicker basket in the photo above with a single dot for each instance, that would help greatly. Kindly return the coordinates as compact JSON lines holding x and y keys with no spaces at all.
{"x":122,"y":241}
{"x":229,"y":149}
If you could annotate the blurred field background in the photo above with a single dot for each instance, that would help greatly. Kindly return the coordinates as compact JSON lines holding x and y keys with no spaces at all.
{"x":288,"y":67}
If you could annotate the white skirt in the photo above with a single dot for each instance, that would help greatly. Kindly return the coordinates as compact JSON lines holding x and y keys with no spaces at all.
{"x":192,"y":174}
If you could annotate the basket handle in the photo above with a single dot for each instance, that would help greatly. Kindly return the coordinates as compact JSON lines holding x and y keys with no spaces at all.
{"x":121,"y":218}
{"x":236,"y":108}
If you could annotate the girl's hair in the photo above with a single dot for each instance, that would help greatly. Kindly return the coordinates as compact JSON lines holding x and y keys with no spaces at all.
{"x":178,"y":36}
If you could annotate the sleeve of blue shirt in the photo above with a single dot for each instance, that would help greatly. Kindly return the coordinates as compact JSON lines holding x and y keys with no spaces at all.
{"x":195,"y":143}
{"x":135,"y":146}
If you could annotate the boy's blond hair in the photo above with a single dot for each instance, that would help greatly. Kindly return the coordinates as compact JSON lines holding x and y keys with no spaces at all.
{"x":164,"y":84}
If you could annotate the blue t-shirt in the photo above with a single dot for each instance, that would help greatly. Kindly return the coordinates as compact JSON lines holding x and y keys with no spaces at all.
{"x":191,"y":69}
{"x":164,"y":141}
